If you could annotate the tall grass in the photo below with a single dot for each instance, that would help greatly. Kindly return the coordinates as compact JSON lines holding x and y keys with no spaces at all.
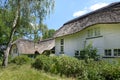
{"x":25,"y":72}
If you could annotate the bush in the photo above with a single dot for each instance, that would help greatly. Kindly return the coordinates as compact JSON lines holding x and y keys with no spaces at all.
{"x":89,"y":52}
{"x":42,"y":62}
{"x":101,"y":70}
{"x":64,"y":65}
{"x":54,"y":66}
{"x":19,"y":60}
{"x":72,"y":67}
{"x":110,"y":72}
{"x":69,"y":66}
{"x":93,"y":70}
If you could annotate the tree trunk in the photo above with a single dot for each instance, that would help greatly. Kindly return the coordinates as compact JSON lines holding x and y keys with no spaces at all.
{"x":5,"y":57}
{"x":7,"y":51}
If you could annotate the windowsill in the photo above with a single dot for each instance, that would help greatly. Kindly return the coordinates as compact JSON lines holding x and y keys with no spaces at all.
{"x":111,"y":56}
{"x":94,"y":37}
{"x":61,"y":52}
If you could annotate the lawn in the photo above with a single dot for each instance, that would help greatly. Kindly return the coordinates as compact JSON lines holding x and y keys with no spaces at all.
{"x":25,"y":72}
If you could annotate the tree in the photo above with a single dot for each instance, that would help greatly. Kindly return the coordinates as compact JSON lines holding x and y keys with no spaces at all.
{"x":48,"y":33}
{"x":22,"y":12}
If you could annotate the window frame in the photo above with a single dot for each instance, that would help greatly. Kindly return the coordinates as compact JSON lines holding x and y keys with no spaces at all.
{"x":108,"y":52}
{"x":97,"y":31}
{"x":61,"y":45}
{"x":94,"y":32}
{"x":90,"y":33}
{"x":77,"y":52}
{"x":62,"y":41}
{"x":116,"y":52}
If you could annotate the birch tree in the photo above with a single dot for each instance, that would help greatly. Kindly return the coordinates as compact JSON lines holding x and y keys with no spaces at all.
{"x":23,"y":10}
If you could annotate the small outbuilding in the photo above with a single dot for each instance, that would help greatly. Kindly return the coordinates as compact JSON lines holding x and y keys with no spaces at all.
{"x":28,"y":47}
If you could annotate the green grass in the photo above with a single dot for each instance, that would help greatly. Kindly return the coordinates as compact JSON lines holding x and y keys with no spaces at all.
{"x":25,"y":72}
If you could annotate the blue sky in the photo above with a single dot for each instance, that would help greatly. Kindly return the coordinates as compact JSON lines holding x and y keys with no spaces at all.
{"x":66,"y":10}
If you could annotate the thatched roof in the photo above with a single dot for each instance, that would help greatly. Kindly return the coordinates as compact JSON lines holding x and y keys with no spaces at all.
{"x":25,"y":46}
{"x":29,"y":47}
{"x":108,"y":14}
{"x":44,"y":45}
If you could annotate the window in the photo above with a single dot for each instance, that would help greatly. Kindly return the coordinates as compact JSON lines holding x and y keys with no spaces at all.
{"x":116,"y":52}
{"x":76,"y":53}
{"x":62,"y":46}
{"x":90,"y":33}
{"x":15,"y":50}
{"x":93,"y":32}
{"x":62,"y":49}
{"x":108,"y":52}
{"x":97,"y":31}
{"x":62,"y":41}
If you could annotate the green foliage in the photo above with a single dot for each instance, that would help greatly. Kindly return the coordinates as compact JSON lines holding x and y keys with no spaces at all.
{"x":48,"y":33}
{"x":89,"y":52}
{"x":16,"y":16}
{"x":42,"y":62}
{"x":72,"y":67}
{"x":20,"y":60}
{"x":69,"y":66}
{"x":111,"y":69}
{"x":25,"y":72}
{"x":64,"y":65}
{"x":102,"y":70}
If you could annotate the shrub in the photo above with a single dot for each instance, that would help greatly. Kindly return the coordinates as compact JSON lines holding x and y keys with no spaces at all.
{"x":19,"y":60}
{"x":89,"y":52}
{"x":69,"y":66}
{"x":72,"y":67}
{"x":42,"y":62}
{"x":110,"y":71}
{"x":93,"y":70}
{"x":64,"y":65}
{"x":102,"y":70}
{"x":54,"y":65}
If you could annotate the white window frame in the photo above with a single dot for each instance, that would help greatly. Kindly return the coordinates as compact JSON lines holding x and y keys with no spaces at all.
{"x":106,"y":52}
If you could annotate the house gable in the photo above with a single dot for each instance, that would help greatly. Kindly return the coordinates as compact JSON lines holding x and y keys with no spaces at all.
{"x":108,"y":14}
{"x":107,"y":40}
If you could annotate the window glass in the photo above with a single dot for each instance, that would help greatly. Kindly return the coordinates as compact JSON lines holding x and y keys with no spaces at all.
{"x":76,"y":52}
{"x":116,"y":52}
{"x":62,"y":48}
{"x":97,"y":31}
{"x":108,"y":52}
{"x":15,"y":50}
{"x":90,"y":33}
{"x":62,"y":41}
{"x":93,"y":32}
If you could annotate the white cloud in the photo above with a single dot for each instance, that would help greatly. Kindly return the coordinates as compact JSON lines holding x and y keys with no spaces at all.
{"x":97,"y":6}
{"x":88,"y":9}
{"x":79,"y":13}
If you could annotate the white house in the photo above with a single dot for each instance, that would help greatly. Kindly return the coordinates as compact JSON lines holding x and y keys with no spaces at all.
{"x":101,"y":28}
